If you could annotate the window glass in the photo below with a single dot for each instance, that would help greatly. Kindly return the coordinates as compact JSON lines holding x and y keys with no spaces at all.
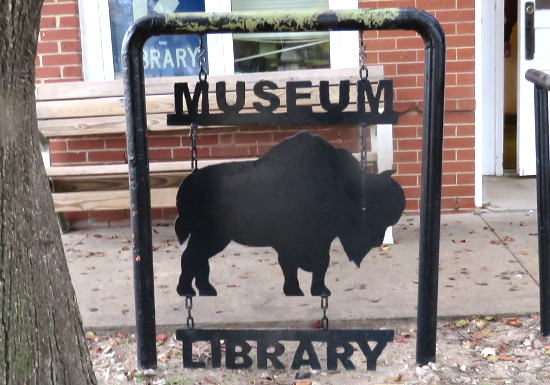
{"x":162,"y":55}
{"x":280,"y":51}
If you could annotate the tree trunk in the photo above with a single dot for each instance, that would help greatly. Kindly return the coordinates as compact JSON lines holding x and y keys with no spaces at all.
{"x":41,"y":336}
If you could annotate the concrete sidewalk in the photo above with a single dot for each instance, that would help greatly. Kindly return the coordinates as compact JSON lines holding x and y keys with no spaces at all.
{"x":488,"y":265}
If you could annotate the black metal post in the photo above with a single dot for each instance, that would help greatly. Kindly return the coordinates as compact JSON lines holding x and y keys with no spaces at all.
{"x":543,"y":203}
{"x":140,"y":199}
{"x":299,"y":20}
{"x":542,"y":141}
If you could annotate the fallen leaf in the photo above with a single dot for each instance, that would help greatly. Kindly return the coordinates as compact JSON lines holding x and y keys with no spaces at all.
{"x":161,"y":339}
{"x":460,"y":323}
{"x":513,"y":322}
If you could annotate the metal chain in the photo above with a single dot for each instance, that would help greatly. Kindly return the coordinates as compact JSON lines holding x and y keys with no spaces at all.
{"x":193,"y":139}
{"x":203,"y":75}
{"x":189,"y":307}
{"x":363,"y":136}
{"x":324,"y":307}
{"x":363,"y":70}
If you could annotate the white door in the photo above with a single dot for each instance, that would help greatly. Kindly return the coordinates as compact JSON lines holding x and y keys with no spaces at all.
{"x":539,"y":37}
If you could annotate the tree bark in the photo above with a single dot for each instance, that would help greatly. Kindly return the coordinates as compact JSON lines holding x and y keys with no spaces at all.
{"x":41,"y":335}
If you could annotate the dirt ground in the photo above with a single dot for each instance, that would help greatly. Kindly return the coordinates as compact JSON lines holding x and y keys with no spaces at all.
{"x":477,"y":350}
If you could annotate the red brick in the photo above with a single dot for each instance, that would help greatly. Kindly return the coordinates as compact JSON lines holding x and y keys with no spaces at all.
{"x":164,"y":141}
{"x":465,"y":78}
{"x":412,"y":205}
{"x":47,"y":47}
{"x":460,"y":117}
{"x":263,"y":137}
{"x":435,"y":4}
{"x":115,"y":143}
{"x":404,"y":94}
{"x":397,"y":56}
{"x":160,"y":154}
{"x":465,"y":130}
{"x":61,"y":59}
{"x":380,"y":45}
{"x":72,"y":71}
{"x":413,"y":118}
{"x":60,"y":9}
{"x":448,"y":179}
{"x":405,"y":132}
{"x":465,"y":28}
{"x":463,"y":92}
{"x":70,"y":46}
{"x":455,"y":15}
{"x":48,"y":22}
{"x":449,"y":155}
{"x":409,"y":43}
{"x":449,"y":28}
{"x":229,"y":151}
{"x":60,"y":34}
{"x":410,"y":68}
{"x":405,"y":156}
{"x":395,"y":33}
{"x":465,"y":53}
{"x":458,"y":191}
{"x":107,"y":156}
{"x":406,"y":180}
{"x":86,"y":144}
{"x":464,"y":178}
{"x":48,"y":72}
{"x":67,"y":157}
{"x":69,"y":22}
{"x":409,"y":168}
{"x":109,"y":216}
{"x":469,"y":154}
{"x":229,"y":139}
{"x":409,"y":144}
{"x":461,"y":40}
{"x":462,"y":166}
{"x":462,"y":142}
{"x":404,"y":81}
{"x":464,"y":4}
{"x":56,"y":145}
{"x":185,"y":153}
{"x":466,"y":105}
{"x":205,"y":140}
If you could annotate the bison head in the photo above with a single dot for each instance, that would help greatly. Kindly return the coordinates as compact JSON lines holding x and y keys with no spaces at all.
{"x":376,"y":202}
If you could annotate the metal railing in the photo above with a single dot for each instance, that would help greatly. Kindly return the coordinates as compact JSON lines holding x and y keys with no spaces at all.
{"x":541,"y":81}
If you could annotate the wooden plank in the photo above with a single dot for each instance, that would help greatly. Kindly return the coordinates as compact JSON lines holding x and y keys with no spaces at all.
{"x":122,"y":169}
{"x":154,"y":167}
{"x":157,"y":104}
{"x":109,"y":200}
{"x":114,"y":182}
{"x":160,"y":86}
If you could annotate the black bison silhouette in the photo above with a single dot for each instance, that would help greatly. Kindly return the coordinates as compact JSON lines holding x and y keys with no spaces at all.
{"x":297,"y":198}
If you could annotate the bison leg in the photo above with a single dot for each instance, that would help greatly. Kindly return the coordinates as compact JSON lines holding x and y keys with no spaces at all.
{"x":194,"y":264}
{"x":318,"y":287}
{"x":288,"y":264}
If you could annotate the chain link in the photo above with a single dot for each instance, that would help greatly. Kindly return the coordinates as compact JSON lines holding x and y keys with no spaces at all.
{"x":324,"y":307}
{"x":363,"y":136}
{"x":203,"y":75}
{"x":193,"y":139}
{"x":189,"y":307}
{"x":363,"y":70}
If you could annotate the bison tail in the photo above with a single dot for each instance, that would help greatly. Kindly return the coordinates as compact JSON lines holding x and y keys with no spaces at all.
{"x":182,"y":229}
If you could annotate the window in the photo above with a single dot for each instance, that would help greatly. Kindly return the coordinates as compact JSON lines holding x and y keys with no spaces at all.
{"x":259,"y":52}
{"x":104,"y":22}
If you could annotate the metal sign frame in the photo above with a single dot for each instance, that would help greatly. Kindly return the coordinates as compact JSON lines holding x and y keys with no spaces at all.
{"x":297,"y":21}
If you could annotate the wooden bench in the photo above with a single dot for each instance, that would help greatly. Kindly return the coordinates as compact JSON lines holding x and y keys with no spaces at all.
{"x":84,"y":109}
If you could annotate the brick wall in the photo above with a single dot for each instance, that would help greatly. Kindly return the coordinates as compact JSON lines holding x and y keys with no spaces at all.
{"x":402,"y":54}
{"x":59,"y":56}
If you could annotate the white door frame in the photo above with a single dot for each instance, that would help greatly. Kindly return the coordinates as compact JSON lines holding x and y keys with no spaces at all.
{"x":489,"y":92}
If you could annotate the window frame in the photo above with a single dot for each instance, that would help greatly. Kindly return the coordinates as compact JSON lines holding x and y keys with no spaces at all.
{"x":97,"y":53}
